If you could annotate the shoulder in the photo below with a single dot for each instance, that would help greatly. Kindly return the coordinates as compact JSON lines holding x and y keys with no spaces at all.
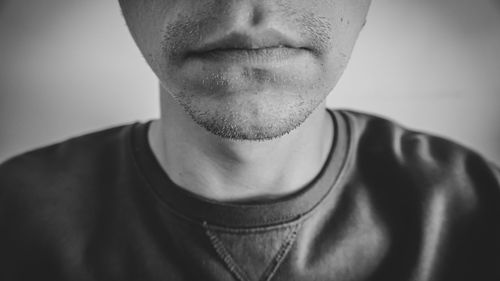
{"x":392,"y":155}
{"x":64,"y":155}
{"x":52,"y":172}
{"x":427,"y":193}
{"x":53,"y":197}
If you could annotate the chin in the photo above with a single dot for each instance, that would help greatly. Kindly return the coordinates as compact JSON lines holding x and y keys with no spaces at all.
{"x":247,"y":103}
{"x":249,"y":115}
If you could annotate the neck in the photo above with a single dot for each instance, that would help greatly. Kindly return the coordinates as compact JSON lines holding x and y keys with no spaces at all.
{"x":232,"y":170}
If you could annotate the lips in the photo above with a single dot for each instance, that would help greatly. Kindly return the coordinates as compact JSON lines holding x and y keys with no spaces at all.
{"x":264,"y":47}
{"x":266,"y":39}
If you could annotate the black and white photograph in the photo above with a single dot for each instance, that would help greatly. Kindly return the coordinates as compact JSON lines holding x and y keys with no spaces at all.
{"x":250,"y":140}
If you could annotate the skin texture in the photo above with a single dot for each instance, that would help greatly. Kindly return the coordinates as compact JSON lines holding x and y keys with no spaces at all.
{"x":244,"y":114}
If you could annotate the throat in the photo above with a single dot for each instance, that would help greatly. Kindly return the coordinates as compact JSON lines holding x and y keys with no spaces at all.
{"x":244,"y":172}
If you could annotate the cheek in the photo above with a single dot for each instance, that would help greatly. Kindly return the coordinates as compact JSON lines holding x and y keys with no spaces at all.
{"x":335,"y":22}
{"x":146,"y":21}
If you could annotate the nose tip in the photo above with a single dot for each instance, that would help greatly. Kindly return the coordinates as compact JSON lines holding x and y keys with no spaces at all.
{"x":258,"y":15}
{"x":249,"y":14}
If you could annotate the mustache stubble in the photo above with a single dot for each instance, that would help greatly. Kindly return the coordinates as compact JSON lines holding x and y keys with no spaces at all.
{"x":193,"y":30}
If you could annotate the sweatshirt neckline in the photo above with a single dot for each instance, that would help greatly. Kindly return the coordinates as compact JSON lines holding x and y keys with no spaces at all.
{"x":241,"y":215}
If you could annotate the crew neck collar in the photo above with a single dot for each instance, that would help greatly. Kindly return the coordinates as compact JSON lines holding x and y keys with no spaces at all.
{"x":241,"y":215}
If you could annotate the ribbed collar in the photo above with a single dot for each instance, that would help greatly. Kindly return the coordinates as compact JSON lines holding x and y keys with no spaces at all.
{"x":235,"y":215}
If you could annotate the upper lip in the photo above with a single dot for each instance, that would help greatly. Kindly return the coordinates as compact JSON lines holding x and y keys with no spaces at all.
{"x":243,"y":41}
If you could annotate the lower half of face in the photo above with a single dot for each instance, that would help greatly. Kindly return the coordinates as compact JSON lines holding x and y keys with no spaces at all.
{"x":250,"y":70}
{"x":244,"y":99}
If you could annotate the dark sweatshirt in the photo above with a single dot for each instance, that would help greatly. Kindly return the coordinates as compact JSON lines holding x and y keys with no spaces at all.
{"x":389,"y":204}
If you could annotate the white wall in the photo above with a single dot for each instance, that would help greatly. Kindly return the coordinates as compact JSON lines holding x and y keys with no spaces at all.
{"x":433,"y":65}
{"x":69,"y":67}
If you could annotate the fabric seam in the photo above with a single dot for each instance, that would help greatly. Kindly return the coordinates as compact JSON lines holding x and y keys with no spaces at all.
{"x":236,"y":270}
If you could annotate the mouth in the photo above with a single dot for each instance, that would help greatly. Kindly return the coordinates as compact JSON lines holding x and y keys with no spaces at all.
{"x":250,"y":56}
{"x":263,"y":48}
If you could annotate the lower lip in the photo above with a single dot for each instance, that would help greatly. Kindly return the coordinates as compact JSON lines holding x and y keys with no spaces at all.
{"x":250,"y":56}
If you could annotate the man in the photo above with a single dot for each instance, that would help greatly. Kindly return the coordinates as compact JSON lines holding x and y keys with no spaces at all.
{"x":247,"y":175}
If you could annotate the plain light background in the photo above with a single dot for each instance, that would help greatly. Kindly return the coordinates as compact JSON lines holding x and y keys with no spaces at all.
{"x":69,"y":67}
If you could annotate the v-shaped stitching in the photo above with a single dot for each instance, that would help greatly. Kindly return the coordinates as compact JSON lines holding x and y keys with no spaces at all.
{"x":226,"y":256}
{"x":236,"y":270}
{"x":280,"y":256}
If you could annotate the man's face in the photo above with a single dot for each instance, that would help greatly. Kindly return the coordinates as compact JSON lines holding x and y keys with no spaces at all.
{"x":247,"y":69}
